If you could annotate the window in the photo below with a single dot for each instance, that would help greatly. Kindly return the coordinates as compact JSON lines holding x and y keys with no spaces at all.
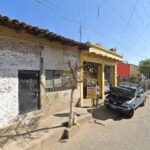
{"x":57,"y":80}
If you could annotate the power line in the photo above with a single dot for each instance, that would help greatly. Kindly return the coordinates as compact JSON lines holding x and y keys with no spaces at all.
{"x":145,"y":9}
{"x":140,"y":18}
{"x":98,"y":33}
{"x":57,"y":12}
{"x":131,"y":15}
{"x":77,"y":22}
{"x":98,"y":10}
{"x":84,"y":18}
{"x":68,"y":19}
{"x":142,"y":32}
{"x":80,"y":27}
{"x":114,"y":10}
{"x":137,"y":14}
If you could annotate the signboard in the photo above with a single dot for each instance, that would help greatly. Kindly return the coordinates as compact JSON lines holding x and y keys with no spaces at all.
{"x":91,"y":88}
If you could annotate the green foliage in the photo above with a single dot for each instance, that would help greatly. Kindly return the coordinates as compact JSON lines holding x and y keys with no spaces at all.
{"x":132,"y":79}
{"x":144,"y":67}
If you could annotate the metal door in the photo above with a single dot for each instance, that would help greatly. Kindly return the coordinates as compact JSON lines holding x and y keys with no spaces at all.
{"x":29,"y":91}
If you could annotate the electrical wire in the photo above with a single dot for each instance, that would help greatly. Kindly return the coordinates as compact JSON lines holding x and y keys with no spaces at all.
{"x":73,"y":20}
{"x":114,"y":10}
{"x":80,"y":27}
{"x":128,"y":22}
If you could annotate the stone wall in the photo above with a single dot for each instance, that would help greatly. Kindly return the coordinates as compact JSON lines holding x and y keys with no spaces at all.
{"x":14,"y":55}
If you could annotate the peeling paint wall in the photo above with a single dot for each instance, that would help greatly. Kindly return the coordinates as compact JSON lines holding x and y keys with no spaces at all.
{"x":54,"y":58}
{"x":22,"y":55}
{"x":14,"y":55}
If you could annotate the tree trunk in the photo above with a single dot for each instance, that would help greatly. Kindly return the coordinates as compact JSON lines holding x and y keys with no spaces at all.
{"x":71,"y":109}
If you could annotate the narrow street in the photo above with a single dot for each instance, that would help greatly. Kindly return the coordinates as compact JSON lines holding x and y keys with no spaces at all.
{"x":118,"y":134}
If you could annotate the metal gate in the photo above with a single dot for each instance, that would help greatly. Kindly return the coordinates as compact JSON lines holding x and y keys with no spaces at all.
{"x":29,"y":91}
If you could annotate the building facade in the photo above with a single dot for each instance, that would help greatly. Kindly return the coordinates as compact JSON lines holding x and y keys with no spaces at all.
{"x":32,"y":69}
{"x":123,"y":70}
{"x":99,"y":59}
{"x":126,"y":71}
{"x":134,"y":71}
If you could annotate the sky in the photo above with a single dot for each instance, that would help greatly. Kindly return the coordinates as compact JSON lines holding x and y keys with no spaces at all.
{"x":121,"y":24}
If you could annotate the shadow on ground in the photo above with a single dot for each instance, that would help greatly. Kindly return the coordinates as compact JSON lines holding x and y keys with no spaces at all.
{"x":64,"y":114}
{"x":103,"y":114}
{"x":61,"y":114}
{"x":33,"y":131}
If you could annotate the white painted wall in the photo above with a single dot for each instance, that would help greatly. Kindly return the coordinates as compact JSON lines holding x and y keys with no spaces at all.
{"x":14,"y":55}
{"x":54,"y":57}
{"x":21,"y":55}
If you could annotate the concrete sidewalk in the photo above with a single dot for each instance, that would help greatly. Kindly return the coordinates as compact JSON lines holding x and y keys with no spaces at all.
{"x":49,"y":130}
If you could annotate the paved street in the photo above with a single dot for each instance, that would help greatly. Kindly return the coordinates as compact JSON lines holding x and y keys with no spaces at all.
{"x":118,"y":134}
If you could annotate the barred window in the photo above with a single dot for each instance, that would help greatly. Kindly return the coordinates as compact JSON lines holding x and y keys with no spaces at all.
{"x":57,"y":80}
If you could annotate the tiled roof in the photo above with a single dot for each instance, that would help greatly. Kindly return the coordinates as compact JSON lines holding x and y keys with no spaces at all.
{"x":15,"y":24}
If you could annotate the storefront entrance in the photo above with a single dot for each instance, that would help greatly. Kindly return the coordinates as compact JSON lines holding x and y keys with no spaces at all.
{"x":99,"y":67}
{"x":90,"y":76}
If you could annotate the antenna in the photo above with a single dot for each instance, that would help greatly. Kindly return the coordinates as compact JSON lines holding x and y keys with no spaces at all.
{"x":98,"y":11}
{"x":80,"y":32}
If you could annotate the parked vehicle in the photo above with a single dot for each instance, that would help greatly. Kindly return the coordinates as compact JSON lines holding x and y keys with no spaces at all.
{"x":125,"y":99}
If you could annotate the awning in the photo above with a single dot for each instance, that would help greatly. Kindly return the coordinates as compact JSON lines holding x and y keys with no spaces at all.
{"x":98,"y":50}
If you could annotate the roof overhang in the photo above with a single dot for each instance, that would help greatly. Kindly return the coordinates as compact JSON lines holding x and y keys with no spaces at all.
{"x":100,"y":51}
{"x":38,"y":32}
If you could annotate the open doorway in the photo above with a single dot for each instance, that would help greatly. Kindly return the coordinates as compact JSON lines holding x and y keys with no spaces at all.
{"x":90,"y":75}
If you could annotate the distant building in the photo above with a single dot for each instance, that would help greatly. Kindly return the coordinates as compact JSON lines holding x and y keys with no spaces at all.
{"x":134,"y":71}
{"x":125,"y":71}
{"x":32,"y":70}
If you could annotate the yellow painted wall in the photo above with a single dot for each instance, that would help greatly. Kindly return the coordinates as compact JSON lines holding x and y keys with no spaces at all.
{"x":102,"y":61}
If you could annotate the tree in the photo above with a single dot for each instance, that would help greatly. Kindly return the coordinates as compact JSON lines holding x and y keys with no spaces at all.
{"x":144,"y":67}
{"x":74,"y":70}
{"x":132,"y":79}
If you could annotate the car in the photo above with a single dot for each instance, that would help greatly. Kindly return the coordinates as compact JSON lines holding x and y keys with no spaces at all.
{"x":125,"y":99}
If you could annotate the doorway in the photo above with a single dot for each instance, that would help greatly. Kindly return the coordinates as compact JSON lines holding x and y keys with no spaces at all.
{"x":29,"y":91}
{"x":90,"y":73}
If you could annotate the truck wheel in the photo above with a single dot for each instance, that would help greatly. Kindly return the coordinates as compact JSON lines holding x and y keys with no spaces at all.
{"x":131,"y":113}
{"x":143,"y":104}
{"x":107,"y":106}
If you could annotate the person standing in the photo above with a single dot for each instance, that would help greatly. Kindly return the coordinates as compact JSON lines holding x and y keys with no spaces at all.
{"x":97,"y":93}
{"x":95,"y":101}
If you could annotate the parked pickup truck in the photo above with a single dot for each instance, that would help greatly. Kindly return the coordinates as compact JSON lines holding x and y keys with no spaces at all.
{"x":125,"y":99}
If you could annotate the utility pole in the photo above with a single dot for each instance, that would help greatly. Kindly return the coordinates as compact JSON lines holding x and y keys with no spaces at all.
{"x":98,"y":11}
{"x":80,"y":32}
